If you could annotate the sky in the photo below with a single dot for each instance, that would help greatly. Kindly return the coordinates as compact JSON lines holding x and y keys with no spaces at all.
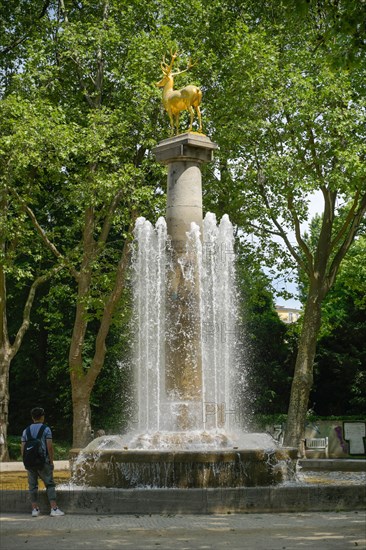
{"x":315,"y":207}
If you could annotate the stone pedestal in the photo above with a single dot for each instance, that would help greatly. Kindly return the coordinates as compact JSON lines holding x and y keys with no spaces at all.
{"x":183,"y":156}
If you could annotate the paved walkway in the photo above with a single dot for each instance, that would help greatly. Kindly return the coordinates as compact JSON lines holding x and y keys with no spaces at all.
{"x":317,"y":531}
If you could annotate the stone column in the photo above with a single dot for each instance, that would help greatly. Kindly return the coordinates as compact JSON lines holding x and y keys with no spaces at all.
{"x":184,"y":155}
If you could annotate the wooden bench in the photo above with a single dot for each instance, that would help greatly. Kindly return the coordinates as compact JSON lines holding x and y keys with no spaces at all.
{"x":317,"y":444}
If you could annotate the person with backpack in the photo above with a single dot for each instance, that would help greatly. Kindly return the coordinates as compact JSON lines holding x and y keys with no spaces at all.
{"x":38,"y":455}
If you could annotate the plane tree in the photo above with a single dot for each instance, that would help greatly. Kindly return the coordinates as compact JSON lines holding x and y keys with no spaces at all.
{"x":88,"y":67}
{"x":26,"y":129}
{"x":290,"y":125}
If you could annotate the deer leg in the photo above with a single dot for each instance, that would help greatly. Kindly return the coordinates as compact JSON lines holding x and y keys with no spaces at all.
{"x":171,"y":123}
{"x":177,"y":123}
{"x":198,"y":110}
{"x":191,"y":112}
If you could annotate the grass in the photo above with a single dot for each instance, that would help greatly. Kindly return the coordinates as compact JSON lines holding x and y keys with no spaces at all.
{"x":62,"y":449}
{"x":17,"y":481}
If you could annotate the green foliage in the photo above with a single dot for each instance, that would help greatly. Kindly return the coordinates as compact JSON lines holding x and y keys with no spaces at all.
{"x":261,"y":421}
{"x":339,"y":370}
{"x":40,"y":372}
{"x":79,"y":118}
{"x":339,"y":374}
{"x":268,"y":353}
{"x":61,"y":448}
{"x":111,"y":399}
{"x":336,"y":27}
{"x":78,"y":121}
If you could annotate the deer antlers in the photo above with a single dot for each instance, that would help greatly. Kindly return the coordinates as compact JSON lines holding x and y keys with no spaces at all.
{"x":167,"y":68}
{"x":164,"y":65}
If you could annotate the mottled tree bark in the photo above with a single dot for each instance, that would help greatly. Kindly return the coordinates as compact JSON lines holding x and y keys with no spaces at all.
{"x":321,"y":267}
{"x":303,"y":375}
{"x":83,"y":379}
{"x":8,"y":351}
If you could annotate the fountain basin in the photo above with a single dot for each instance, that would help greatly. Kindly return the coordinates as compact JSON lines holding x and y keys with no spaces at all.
{"x":185,"y":469}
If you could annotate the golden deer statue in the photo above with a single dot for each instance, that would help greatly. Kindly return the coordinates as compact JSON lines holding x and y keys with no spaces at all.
{"x":175,"y":101}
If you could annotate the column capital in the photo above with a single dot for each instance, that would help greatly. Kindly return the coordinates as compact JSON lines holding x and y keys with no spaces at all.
{"x":185,"y":147}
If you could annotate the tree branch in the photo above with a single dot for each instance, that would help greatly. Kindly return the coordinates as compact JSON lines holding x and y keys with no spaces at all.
{"x":77,"y":62}
{"x":27,"y":308}
{"x":313,"y":154}
{"x":84,"y":282}
{"x":347,"y":221}
{"x":281,"y":232}
{"x":23,"y":38}
{"x":348,"y":240}
{"x":4,"y":337}
{"x":100,"y":347}
{"x":100,"y":61}
{"x":300,"y":241}
{"x":44,"y":236}
{"x":63,"y":11}
{"x":323,"y":250}
{"x":108,"y":219}
{"x":264,"y":229}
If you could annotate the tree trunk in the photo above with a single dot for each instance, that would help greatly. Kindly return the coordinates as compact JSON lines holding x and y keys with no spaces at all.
{"x":4,"y":404}
{"x":81,"y":412}
{"x":303,"y":375}
{"x":82,"y":381}
{"x":5,"y":357}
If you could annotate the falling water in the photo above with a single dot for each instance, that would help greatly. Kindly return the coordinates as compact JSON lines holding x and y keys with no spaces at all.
{"x":185,"y":428}
{"x":220,"y":323}
{"x":209,"y":260}
{"x":149,"y":264}
{"x":185,"y":432}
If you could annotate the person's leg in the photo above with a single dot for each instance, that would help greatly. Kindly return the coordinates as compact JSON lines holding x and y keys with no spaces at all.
{"x":33,"y":490}
{"x":46,"y":474}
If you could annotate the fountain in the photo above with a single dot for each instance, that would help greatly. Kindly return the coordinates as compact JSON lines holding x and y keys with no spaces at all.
{"x":186,"y":430}
{"x":188,"y":448}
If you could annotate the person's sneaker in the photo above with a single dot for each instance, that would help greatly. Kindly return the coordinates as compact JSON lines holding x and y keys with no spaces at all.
{"x":36,"y":512}
{"x":56,"y":512}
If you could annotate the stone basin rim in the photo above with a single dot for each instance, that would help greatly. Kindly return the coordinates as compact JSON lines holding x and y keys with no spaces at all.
{"x":195,"y":455}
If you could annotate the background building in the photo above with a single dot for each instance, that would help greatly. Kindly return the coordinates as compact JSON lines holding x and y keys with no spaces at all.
{"x":288,"y":314}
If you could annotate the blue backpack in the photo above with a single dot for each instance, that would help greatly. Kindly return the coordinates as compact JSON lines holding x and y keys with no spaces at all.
{"x":33,"y":453}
